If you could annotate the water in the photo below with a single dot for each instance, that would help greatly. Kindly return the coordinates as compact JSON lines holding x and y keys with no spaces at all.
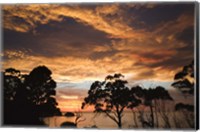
{"x":102,"y":121}
{"x":90,"y":119}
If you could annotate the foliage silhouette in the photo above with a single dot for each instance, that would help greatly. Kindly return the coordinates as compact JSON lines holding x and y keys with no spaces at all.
{"x":42,"y":91}
{"x":184,"y":80}
{"x":69,"y":114}
{"x":149,"y":98}
{"x":111,"y":97}
{"x":181,"y":106}
{"x":29,"y":98}
{"x":187,"y":112}
{"x":12,"y":82}
{"x":68,"y":124}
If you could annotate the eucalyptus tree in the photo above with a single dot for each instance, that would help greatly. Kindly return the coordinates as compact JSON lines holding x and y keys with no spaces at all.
{"x":149,"y":99}
{"x":29,"y":97}
{"x":111,"y":97}
{"x":184,"y":81}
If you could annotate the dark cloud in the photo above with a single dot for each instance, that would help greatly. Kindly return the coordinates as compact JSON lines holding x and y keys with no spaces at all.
{"x":186,"y":36}
{"x":153,"y":55}
{"x":149,"y":18}
{"x":172,"y":63}
{"x":169,"y":62}
{"x":182,"y":55}
{"x":57,"y":39}
{"x":17,"y":41}
{"x":146,"y":74}
{"x":101,"y":55}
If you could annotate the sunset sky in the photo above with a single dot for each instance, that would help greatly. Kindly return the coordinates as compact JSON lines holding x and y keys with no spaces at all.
{"x":81,"y":43}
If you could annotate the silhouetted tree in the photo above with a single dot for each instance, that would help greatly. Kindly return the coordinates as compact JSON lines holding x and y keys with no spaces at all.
{"x":111,"y":97}
{"x":133,"y":105}
{"x":28,"y":98}
{"x":41,"y":91}
{"x":181,"y":106}
{"x":12,"y":82}
{"x":187,"y":111}
{"x":184,"y":80}
{"x":149,"y":98}
{"x":40,"y":84}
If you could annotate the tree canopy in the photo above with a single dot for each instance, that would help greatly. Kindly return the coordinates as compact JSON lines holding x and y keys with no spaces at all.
{"x":27,"y":98}
{"x":149,"y":98}
{"x":184,"y":79}
{"x":111,"y":97}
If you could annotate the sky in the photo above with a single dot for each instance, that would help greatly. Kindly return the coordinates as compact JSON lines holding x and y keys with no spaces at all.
{"x":81,"y":43}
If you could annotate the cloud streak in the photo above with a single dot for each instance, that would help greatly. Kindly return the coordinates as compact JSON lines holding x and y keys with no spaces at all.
{"x":25,"y":18}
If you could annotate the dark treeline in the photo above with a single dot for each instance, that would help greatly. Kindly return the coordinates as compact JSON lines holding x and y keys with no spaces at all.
{"x":112,"y":97}
{"x":28,"y":98}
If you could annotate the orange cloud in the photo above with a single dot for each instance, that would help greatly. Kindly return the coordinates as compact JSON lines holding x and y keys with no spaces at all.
{"x":24,"y":18}
{"x":155,"y":48}
{"x":31,"y":15}
{"x":76,"y":69}
{"x":69,"y":97}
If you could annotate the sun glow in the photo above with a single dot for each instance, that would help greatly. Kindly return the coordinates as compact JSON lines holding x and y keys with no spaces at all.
{"x":70,"y":105}
{"x":69,"y":97}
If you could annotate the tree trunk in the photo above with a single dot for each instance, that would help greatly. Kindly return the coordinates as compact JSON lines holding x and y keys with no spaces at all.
{"x":134,"y":118}
{"x":152,"y":116}
{"x":119,"y":120}
{"x":156,"y":113}
{"x":119,"y":125}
